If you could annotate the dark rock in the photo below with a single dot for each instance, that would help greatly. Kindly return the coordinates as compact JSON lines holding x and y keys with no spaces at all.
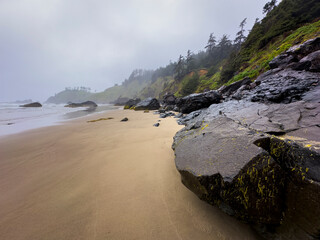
{"x":228,"y":90}
{"x":131,"y":103}
{"x":309,"y":63}
{"x":299,"y":51}
{"x":156,"y":124}
{"x":124,"y":119}
{"x":121,"y":101}
{"x":220,"y":163}
{"x":34,"y":104}
{"x":89,"y":104}
{"x":148,"y":104}
{"x":169,"y":99}
{"x":197,"y":101}
{"x":167,"y":114}
{"x":281,"y":61}
{"x":179,"y":115}
{"x":295,"y":54}
{"x":283,"y":85}
{"x":191,"y":116}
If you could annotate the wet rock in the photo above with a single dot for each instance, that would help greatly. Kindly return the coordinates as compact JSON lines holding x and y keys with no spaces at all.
{"x":190,"y":117}
{"x":89,"y":104}
{"x":179,"y":115}
{"x":301,"y":50}
{"x":220,"y":163}
{"x":281,"y":61}
{"x":283,"y":85}
{"x":148,"y":104}
{"x":309,"y":63}
{"x":167,"y":114}
{"x":156,"y":124}
{"x":124,"y":119}
{"x":197,"y":101}
{"x":131,"y":103}
{"x":228,"y":90}
{"x":169,"y":99}
{"x":34,"y":104}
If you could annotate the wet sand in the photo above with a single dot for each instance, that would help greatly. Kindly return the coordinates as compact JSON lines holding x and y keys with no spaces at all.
{"x":102,"y":180}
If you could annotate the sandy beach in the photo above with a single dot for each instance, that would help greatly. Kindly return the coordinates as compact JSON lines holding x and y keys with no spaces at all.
{"x":102,"y":180}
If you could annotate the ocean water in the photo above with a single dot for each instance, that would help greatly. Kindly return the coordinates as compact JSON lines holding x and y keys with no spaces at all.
{"x":15,"y":119}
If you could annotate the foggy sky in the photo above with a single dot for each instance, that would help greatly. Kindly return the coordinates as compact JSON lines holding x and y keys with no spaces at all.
{"x":47,"y":45}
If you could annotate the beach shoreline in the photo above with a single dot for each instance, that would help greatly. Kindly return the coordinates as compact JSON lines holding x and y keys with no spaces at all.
{"x":103,"y":180}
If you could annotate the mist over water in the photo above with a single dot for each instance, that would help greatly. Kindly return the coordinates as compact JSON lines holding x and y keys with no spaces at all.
{"x":15,"y":119}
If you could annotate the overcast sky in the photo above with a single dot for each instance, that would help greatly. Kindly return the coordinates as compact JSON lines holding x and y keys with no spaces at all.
{"x":47,"y":45}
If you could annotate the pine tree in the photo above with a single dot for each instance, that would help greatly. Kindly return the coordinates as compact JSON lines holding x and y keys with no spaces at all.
{"x":269,"y":6}
{"x":240,"y":37}
{"x":211,"y":43}
{"x":189,"y":61}
{"x":180,"y":68}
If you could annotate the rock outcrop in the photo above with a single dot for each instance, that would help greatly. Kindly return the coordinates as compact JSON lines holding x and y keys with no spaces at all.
{"x":169,"y":102}
{"x":198,"y":101}
{"x":258,"y":158}
{"x":131,"y":103}
{"x":34,"y":104}
{"x":88,"y":104}
{"x":148,"y":104}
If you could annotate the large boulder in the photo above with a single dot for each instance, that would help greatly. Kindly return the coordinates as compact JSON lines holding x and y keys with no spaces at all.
{"x":131,"y":103}
{"x":310,"y":62}
{"x":197,"y":101}
{"x":169,"y":99}
{"x":88,"y":104}
{"x":148,"y":104}
{"x":34,"y":104}
{"x":221,"y":164}
{"x":258,"y":162}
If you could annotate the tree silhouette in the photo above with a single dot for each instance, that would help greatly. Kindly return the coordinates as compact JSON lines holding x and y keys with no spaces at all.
{"x":240,"y":37}
{"x":269,"y":6}
{"x":180,"y":68}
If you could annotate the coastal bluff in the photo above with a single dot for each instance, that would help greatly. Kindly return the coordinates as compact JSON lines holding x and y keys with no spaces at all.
{"x":256,"y":155}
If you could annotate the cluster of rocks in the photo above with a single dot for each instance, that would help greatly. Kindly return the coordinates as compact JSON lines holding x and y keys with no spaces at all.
{"x":88,"y":104}
{"x":256,"y":155}
{"x":145,"y":105}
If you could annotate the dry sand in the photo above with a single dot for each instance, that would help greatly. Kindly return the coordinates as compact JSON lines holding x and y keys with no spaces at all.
{"x":102,"y":180}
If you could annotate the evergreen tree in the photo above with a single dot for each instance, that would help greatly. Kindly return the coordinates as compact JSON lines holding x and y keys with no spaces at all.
{"x":180,"y":68}
{"x":269,"y":6}
{"x":189,"y":61}
{"x":211,"y":43}
{"x":240,"y":37}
